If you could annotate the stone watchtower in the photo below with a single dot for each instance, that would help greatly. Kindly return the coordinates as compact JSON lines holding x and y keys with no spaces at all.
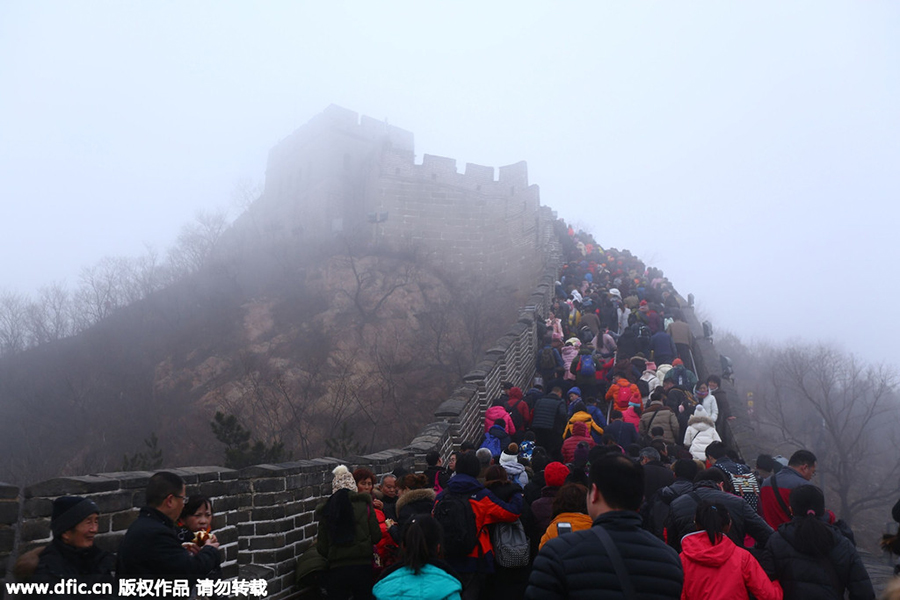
{"x":342,"y":176}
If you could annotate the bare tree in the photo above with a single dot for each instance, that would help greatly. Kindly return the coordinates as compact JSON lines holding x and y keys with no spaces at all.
{"x":146,"y":274}
{"x":13,"y":323}
{"x":197,"y":241}
{"x":374,"y":279}
{"x":102,"y":290}
{"x":246,"y":191}
{"x":50,"y":315}
{"x":843,"y":410}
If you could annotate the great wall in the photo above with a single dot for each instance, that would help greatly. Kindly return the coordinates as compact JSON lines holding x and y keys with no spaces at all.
{"x":264,"y":513}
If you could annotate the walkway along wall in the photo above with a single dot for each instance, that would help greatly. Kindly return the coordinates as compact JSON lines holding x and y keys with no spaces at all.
{"x":265,"y":513}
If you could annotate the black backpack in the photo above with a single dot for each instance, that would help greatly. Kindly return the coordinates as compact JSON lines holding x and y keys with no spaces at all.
{"x":514,"y":414}
{"x":548,"y":361}
{"x":455,"y":514}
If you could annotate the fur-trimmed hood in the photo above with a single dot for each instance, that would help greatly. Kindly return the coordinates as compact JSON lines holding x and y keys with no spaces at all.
{"x":415,"y":496}
{"x":701,"y":422}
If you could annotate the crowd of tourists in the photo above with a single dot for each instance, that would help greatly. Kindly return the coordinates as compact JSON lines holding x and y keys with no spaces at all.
{"x":610,"y":475}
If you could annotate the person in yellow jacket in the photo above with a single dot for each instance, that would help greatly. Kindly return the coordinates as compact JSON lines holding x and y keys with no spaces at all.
{"x":581,"y":415}
{"x":569,"y":512}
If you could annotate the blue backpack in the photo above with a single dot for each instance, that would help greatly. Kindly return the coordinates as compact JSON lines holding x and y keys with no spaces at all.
{"x":492,"y":443}
{"x":587,"y":367}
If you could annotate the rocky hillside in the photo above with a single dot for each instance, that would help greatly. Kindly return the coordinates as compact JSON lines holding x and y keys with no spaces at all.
{"x":336,"y":354}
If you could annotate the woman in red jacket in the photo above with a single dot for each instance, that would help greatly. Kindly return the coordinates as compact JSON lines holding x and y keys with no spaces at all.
{"x":715,"y":568}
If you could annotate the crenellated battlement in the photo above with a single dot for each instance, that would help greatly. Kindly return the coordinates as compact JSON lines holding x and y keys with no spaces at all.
{"x":325,"y":179}
{"x":512,"y":181}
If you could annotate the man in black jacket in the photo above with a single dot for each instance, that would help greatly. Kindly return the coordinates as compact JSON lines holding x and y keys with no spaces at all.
{"x":578,"y":565}
{"x":708,"y":485}
{"x":656,"y":513}
{"x":549,"y":421}
{"x":72,"y":553}
{"x":151,"y":547}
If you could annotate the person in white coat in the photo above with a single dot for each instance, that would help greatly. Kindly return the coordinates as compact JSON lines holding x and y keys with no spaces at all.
{"x":700,"y":433}
{"x":707,"y":400}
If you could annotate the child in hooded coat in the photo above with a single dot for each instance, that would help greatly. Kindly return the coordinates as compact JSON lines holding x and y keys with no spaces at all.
{"x":568,"y":353}
{"x":509,"y":460}
{"x":496,"y":412}
{"x":632,"y":416}
{"x":700,"y":433}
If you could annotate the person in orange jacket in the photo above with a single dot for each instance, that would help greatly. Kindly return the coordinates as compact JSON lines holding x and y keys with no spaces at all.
{"x":569,"y":512}
{"x":623,"y":392}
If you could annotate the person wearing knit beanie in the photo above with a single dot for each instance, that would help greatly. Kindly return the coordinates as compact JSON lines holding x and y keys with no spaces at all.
{"x":509,"y":460}
{"x":343,"y":479}
{"x":68,"y":512}
{"x":72,"y":553}
{"x":348,"y":531}
{"x":555,"y":474}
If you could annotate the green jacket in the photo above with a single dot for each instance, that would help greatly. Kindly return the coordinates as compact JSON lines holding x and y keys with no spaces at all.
{"x":366,"y":534}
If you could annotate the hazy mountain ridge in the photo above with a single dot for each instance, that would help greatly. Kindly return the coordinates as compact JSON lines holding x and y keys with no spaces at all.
{"x":365,"y":340}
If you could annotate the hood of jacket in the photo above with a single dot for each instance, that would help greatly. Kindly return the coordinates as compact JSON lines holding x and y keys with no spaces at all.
{"x":495,"y":412}
{"x":461,"y":483}
{"x":581,"y":417}
{"x":415,"y":496}
{"x":701,"y":422}
{"x":579,"y":429}
{"x":512,"y":467}
{"x":549,"y":491}
{"x":696,"y":547}
{"x":657,"y":405}
{"x":568,"y":353}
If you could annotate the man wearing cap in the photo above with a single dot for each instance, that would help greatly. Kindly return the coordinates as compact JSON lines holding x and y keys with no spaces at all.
{"x":151,"y":547}
{"x":72,"y":553}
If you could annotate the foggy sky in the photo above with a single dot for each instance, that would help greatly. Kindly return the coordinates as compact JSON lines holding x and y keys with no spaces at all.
{"x":750,"y":150}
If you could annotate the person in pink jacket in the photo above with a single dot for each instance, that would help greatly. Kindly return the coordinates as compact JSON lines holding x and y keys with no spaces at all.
{"x":631,"y":415}
{"x":498,"y":411}
{"x":715,"y":568}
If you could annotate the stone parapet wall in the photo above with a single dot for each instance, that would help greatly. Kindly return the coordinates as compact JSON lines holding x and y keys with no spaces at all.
{"x":737,"y":433}
{"x":264,"y":515}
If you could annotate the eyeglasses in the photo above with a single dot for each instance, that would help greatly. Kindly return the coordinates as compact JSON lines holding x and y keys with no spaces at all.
{"x":183,"y":498}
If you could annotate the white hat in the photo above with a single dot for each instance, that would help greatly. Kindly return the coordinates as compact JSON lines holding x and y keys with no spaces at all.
{"x":343,"y":479}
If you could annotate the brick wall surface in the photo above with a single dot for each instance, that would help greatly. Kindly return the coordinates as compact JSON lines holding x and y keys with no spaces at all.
{"x":264,"y":515}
